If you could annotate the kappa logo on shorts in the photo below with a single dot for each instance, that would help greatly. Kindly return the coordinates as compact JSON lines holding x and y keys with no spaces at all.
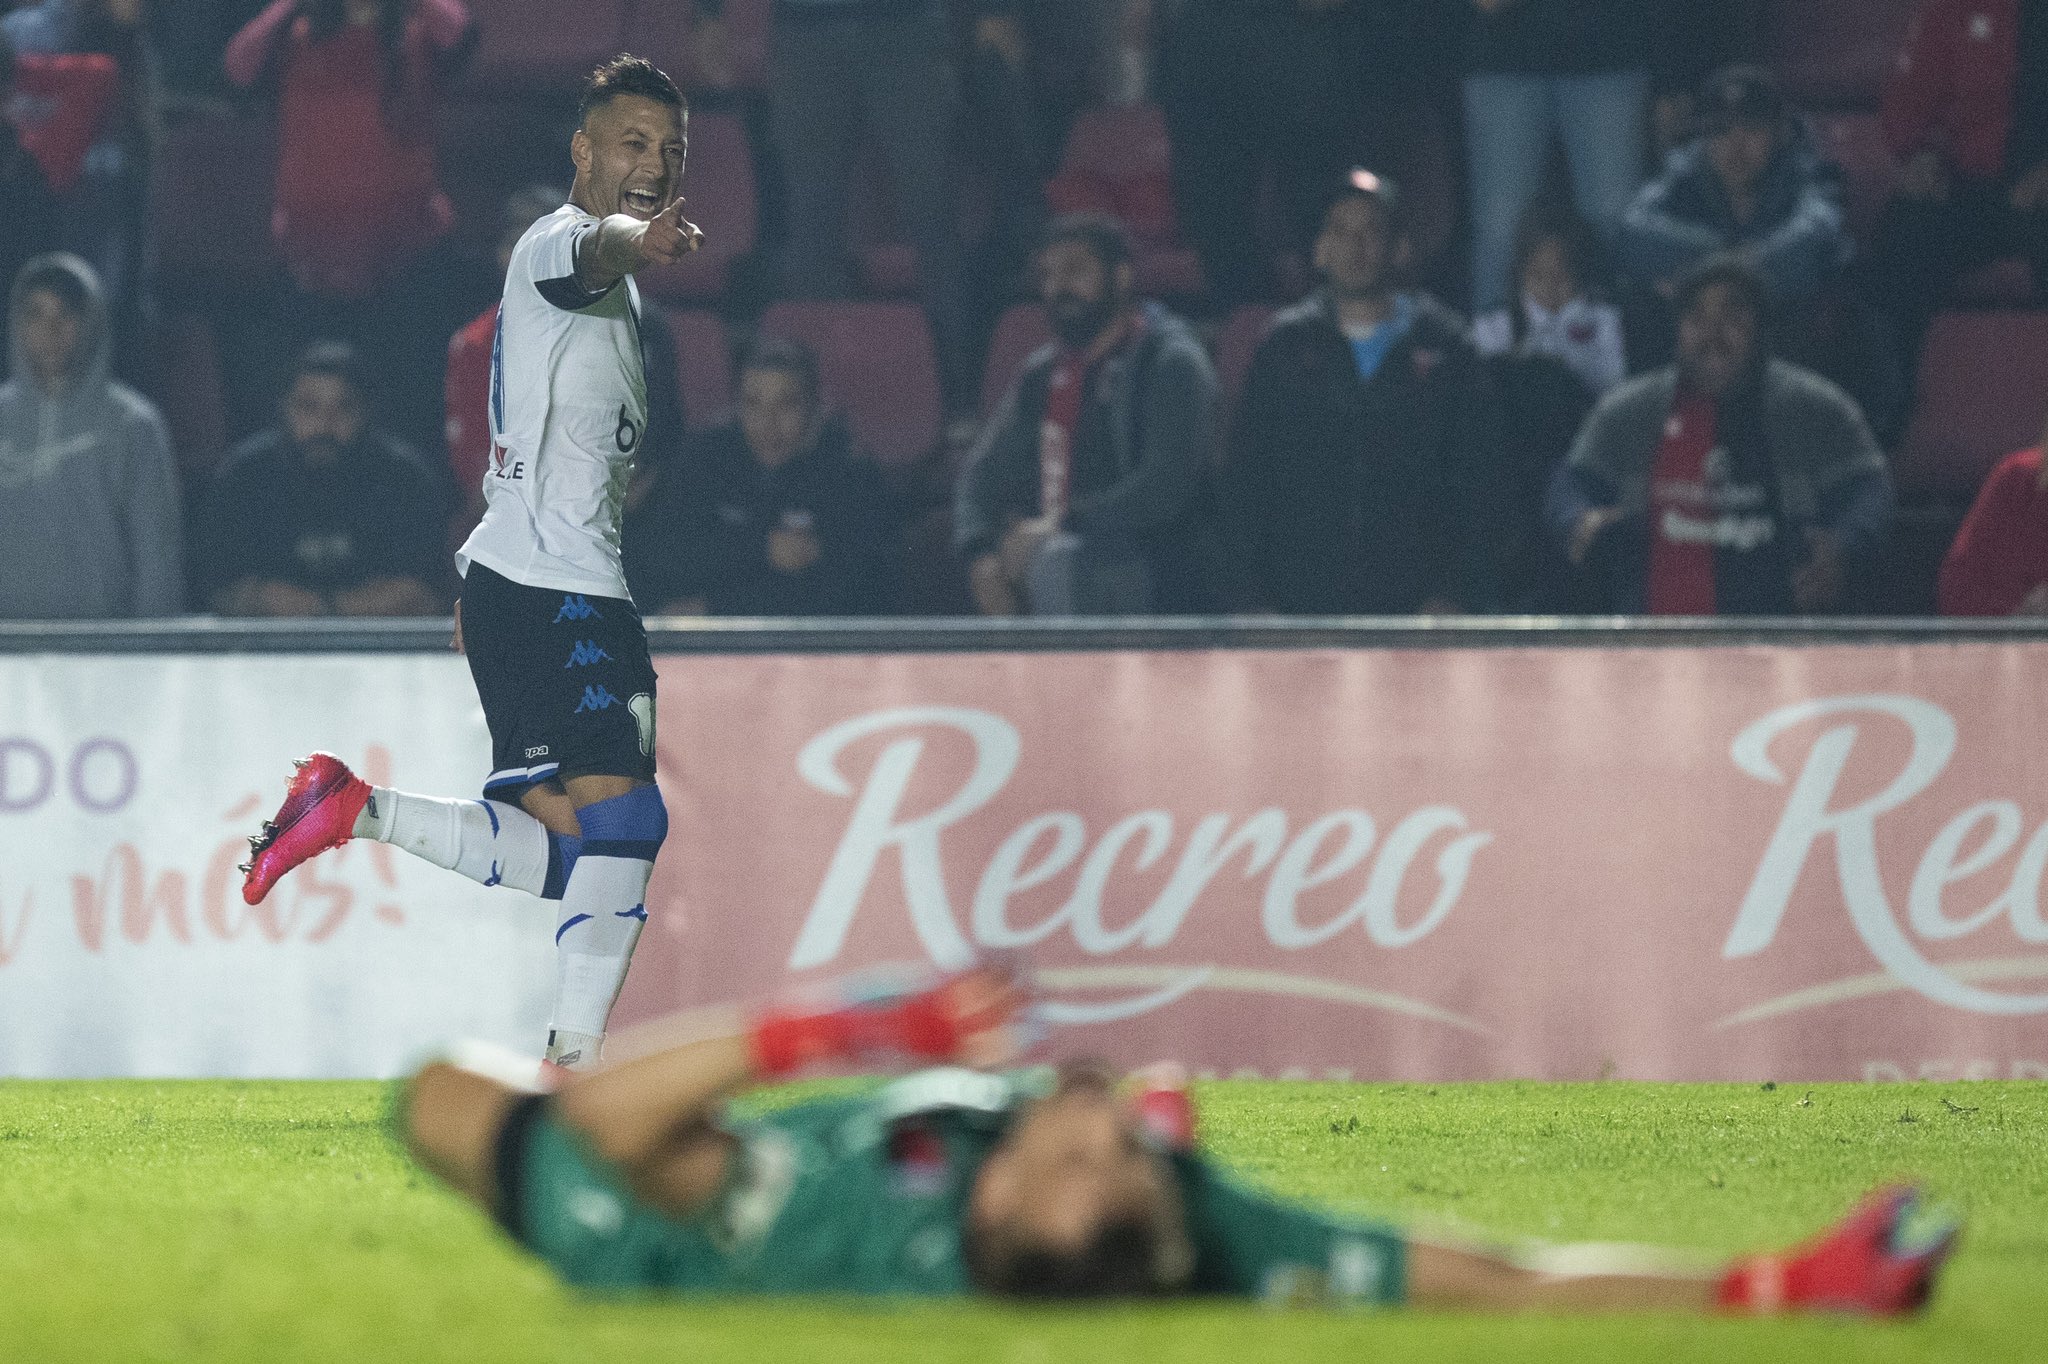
{"x":586,"y":653}
{"x":577,"y":607}
{"x":596,"y":698}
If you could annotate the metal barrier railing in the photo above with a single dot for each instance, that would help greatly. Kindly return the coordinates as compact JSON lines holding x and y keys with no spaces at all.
{"x":692,"y":635}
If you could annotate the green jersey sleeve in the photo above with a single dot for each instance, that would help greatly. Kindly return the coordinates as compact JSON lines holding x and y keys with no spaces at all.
{"x":1256,"y":1245}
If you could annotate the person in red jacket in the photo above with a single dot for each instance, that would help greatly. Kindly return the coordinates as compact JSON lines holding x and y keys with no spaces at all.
{"x":360,"y":218}
{"x":1966,"y":114}
{"x":358,"y":192}
{"x":1998,"y":565}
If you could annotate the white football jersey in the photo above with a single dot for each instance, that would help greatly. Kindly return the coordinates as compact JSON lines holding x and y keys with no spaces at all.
{"x":568,"y":409}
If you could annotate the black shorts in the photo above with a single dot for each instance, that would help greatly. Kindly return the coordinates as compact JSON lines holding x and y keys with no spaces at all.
{"x":565,"y":679}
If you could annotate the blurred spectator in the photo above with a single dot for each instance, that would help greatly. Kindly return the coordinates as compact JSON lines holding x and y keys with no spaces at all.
{"x":358,"y":191}
{"x":1966,"y":112}
{"x":1998,"y":565}
{"x":359,"y":203}
{"x":88,"y":488}
{"x":1550,"y":356}
{"x":326,"y":515}
{"x":883,"y":67}
{"x":105,"y":211}
{"x":771,"y":514}
{"x":1300,"y":88}
{"x":1730,"y":484}
{"x":1556,"y":314}
{"x":29,"y":226}
{"x":1081,"y":496}
{"x":1578,"y":69}
{"x":468,"y":382}
{"x":1365,"y":451}
{"x":1753,"y":183}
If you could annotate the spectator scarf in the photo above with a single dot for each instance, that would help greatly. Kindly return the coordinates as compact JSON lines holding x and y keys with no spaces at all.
{"x":1681,"y":581}
{"x":1071,"y":375}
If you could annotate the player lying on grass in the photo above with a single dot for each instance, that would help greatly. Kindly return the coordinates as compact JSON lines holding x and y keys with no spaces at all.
{"x":954,"y":1181}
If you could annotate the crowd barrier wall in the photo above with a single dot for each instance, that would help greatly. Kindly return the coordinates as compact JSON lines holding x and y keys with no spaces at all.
{"x":1469,"y":851}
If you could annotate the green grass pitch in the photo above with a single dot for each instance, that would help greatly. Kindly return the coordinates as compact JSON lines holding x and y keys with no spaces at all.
{"x":145,"y":1221}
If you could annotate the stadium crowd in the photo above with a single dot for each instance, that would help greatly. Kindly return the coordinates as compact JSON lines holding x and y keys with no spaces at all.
{"x":1055,"y":307}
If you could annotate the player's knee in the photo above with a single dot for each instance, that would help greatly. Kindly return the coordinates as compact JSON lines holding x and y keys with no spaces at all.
{"x":630,"y":825}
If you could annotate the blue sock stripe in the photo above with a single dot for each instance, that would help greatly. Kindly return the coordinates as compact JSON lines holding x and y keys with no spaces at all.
{"x":636,"y":912}
{"x":639,"y":849}
{"x":493,"y":814}
{"x":563,"y":850}
{"x":579,"y":919}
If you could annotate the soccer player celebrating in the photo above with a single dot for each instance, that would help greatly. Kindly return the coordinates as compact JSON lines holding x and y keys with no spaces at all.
{"x":560,"y":661}
{"x":954,"y":1181}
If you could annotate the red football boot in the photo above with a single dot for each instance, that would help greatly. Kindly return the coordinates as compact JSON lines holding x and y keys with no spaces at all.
{"x":319,"y":812}
{"x":1880,"y":1261}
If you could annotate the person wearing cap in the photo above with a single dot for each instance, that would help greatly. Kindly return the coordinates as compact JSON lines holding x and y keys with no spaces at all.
{"x":1752,"y":183}
{"x":1366,"y":447}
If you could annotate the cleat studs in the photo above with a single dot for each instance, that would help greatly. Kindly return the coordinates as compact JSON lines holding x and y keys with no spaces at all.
{"x":244,"y":867}
{"x":268,"y":827}
{"x":298,"y":764}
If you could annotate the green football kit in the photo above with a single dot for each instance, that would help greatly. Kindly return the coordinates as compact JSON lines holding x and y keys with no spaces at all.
{"x":867,"y":1195}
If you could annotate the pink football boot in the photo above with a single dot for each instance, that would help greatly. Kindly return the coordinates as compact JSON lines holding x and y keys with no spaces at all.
{"x":1881,"y":1260}
{"x":319,"y":812}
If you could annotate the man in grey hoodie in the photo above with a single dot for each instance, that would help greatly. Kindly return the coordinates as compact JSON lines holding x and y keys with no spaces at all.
{"x":88,"y":491}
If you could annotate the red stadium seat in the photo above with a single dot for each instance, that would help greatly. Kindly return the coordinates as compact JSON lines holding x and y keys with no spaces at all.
{"x":185,"y":384}
{"x":1119,"y":161}
{"x":1021,"y":330}
{"x":703,"y":365}
{"x":1835,"y":53}
{"x":718,"y":185}
{"x":878,"y":368}
{"x":215,"y":181}
{"x":1982,"y":389}
{"x":544,"y":43}
{"x":1855,"y":142}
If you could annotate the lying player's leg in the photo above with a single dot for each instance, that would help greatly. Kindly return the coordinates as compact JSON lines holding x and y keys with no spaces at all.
{"x":1882,"y":1260}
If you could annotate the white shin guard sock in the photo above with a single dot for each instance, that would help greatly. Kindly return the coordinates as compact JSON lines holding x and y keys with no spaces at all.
{"x":489,"y":842}
{"x":603,"y":909}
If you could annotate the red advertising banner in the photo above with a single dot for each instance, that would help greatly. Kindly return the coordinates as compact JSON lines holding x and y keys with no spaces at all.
{"x":1654,"y":863}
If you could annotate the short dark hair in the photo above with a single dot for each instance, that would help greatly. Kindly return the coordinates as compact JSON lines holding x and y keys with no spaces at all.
{"x":1374,"y":188}
{"x":1725,"y":269}
{"x":1545,"y":222}
{"x":784,"y":356}
{"x":335,"y":359}
{"x":627,"y":74}
{"x":58,"y":274}
{"x":1106,"y":238}
{"x":1741,"y":94}
{"x":1120,"y":1261}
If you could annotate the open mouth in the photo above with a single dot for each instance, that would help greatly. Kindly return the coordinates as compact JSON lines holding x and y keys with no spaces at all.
{"x":643,"y":202}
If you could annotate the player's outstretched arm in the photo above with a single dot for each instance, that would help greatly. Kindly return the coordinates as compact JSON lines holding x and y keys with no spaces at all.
{"x":625,"y":245}
{"x":654,"y":1118}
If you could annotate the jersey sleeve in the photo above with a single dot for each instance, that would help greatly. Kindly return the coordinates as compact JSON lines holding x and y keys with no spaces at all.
{"x":1254,"y":1245}
{"x":547,"y":258}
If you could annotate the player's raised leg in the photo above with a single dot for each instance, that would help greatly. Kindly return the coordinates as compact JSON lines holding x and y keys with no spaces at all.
{"x":489,"y":841}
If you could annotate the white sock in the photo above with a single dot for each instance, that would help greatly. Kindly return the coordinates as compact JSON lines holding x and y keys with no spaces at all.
{"x":574,"y":1050}
{"x":489,"y":842}
{"x":603,"y":909}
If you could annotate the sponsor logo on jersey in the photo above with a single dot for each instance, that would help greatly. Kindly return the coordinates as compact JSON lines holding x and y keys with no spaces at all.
{"x":596,"y":698}
{"x":628,"y":432}
{"x":586,"y":653}
{"x":576,"y":607}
